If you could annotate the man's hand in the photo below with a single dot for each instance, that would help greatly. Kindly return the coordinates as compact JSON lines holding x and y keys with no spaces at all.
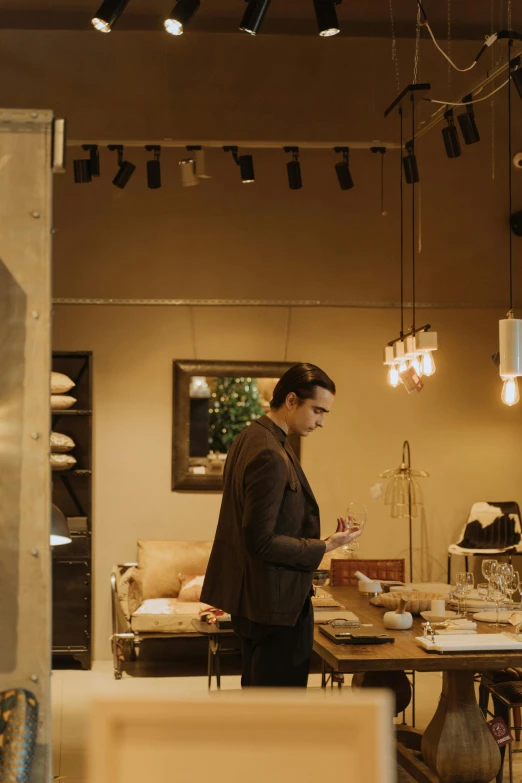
{"x":345,"y":533}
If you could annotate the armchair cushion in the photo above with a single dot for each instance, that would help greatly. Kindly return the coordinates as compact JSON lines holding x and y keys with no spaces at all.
{"x":166,"y":615}
{"x":161,"y":562}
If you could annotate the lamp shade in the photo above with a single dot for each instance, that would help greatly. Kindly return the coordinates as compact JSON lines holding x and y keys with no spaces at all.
{"x":510,"y":347}
{"x":59,"y":528}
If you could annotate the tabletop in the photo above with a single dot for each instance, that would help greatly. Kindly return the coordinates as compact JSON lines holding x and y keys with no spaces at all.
{"x":404,"y":653}
{"x":209,"y":629}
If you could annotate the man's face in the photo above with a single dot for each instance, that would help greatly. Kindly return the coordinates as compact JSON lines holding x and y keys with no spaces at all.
{"x":304,"y":418}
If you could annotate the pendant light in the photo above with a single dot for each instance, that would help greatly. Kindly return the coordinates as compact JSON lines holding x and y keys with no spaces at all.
{"x":510,"y":328}
{"x":409,"y":356}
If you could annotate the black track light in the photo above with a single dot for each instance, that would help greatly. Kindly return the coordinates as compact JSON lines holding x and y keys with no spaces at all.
{"x":154,"y":167}
{"x":451,"y":136}
{"x":409,"y":162}
{"x":468,"y":126}
{"x":94,"y":158}
{"x":182,"y":13}
{"x":326,"y":16}
{"x":293,"y":168}
{"x":342,"y":169}
{"x":253,"y":16}
{"x":515,"y":222}
{"x":125,"y":169}
{"x":82,"y":170}
{"x":108,"y":14}
{"x":245,"y":163}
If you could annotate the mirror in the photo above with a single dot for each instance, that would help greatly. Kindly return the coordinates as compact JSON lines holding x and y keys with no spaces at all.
{"x":213,"y":403}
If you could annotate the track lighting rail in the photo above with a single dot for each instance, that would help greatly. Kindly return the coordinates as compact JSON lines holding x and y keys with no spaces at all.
{"x":268,"y":145}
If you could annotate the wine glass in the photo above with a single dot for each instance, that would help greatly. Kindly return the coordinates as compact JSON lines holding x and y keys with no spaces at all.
{"x":487,"y":567}
{"x":356,"y":515}
{"x":497,"y":590}
{"x":511,"y":586}
{"x":483,"y":590}
{"x":465,"y":582}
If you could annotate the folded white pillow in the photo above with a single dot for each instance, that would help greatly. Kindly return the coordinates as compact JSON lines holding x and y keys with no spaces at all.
{"x":60,"y":383}
{"x":60,"y":402}
{"x":62,"y":461}
{"x":61,"y":443}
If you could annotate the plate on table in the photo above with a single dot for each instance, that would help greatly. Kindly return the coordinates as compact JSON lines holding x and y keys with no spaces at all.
{"x":435,"y":617}
{"x":491,"y":617}
{"x":424,"y":587}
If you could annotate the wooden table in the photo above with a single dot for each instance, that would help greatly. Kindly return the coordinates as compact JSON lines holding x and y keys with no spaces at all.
{"x":457,"y":745}
{"x":215,"y":637}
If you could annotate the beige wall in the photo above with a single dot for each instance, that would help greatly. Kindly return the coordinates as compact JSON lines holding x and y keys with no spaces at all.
{"x":458,"y":429}
{"x":224,"y":240}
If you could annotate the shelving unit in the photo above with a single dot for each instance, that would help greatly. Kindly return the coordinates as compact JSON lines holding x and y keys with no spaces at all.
{"x":72,"y":493}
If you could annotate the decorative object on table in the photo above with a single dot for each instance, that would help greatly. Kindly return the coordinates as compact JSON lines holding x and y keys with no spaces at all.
{"x":510,"y":328}
{"x":404,"y":494}
{"x":369,"y":587}
{"x":400,"y":619}
{"x":18,"y":730}
{"x":416,"y":602}
{"x":479,"y":642}
{"x":491,"y":617}
{"x":61,"y":402}
{"x":59,"y":527}
{"x":323,"y":600}
{"x":340,"y":618}
{"x":62,"y":461}
{"x":437,"y":616}
{"x":320,"y":577}
{"x":409,"y":356}
{"x":61,"y":383}
{"x":61,"y":444}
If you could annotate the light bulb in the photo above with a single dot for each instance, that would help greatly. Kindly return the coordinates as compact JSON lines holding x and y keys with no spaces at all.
{"x":393,"y":376}
{"x":428,"y":363}
{"x":510,"y":393}
{"x":416,"y":363}
{"x":403,"y":366}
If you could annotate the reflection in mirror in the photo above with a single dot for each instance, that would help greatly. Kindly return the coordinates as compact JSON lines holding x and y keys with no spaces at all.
{"x":213,"y":403}
{"x":220,"y":408}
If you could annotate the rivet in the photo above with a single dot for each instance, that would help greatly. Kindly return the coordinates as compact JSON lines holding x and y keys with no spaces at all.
{"x":35,"y":314}
{"x":34,"y":677}
{"x":34,"y":115}
{"x":34,"y":552}
{"x":35,"y":214}
{"x":35,"y":435}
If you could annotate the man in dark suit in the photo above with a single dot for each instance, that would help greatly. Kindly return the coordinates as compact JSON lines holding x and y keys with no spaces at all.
{"x":268,"y":543}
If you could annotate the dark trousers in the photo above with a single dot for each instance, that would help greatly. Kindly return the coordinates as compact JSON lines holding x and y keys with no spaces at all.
{"x":276,"y":656}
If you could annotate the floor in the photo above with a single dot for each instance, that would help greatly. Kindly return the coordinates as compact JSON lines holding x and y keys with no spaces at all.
{"x":72,"y":692}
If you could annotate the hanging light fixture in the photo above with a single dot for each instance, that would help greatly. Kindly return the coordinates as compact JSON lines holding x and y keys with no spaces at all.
{"x":326,"y":16}
{"x":450,"y":136}
{"x":510,"y":328}
{"x":342,"y":169}
{"x":245,"y":163}
{"x":404,"y":494}
{"x":125,"y":169}
{"x":293,"y":169}
{"x":253,"y":16}
{"x":154,"y":167}
{"x":409,"y":357}
{"x":468,"y":125}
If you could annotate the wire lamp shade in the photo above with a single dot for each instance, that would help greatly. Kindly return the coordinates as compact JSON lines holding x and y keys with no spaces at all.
{"x":403,"y":492}
{"x":59,"y":528}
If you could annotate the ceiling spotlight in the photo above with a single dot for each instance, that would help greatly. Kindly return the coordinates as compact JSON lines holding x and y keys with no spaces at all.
{"x":94,"y":158}
{"x":253,"y":16}
{"x":409,"y":161}
{"x":245,"y":163}
{"x":326,"y":16}
{"x":293,"y":168}
{"x":187,"y":167}
{"x":451,"y":136}
{"x":198,"y":153}
{"x":82,"y":170}
{"x":182,"y":13}
{"x":468,"y":126}
{"x":342,"y":169}
{"x":153,"y":167}
{"x":125,"y":169}
{"x":108,"y":14}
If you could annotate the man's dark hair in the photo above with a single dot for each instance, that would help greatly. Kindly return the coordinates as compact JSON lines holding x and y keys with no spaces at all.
{"x":302,"y":380}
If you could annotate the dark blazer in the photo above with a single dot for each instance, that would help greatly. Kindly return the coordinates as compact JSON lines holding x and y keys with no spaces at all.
{"x":267,"y":543}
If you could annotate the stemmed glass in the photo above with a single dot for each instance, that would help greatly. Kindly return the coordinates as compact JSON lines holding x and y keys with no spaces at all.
{"x":487,"y":567}
{"x":497,"y":590}
{"x":356,"y":515}
{"x":511,"y":585}
{"x":465,"y":582}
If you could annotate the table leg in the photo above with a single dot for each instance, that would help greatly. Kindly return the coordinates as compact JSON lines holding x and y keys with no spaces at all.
{"x":210,"y":663}
{"x":394,"y":681}
{"x":457,"y":745}
{"x":217,"y":661}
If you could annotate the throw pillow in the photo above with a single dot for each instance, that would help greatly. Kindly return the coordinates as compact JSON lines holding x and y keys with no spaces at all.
{"x":60,"y":402}
{"x":61,"y":443}
{"x":60,"y":383}
{"x":62,"y":461}
{"x":191,"y":586}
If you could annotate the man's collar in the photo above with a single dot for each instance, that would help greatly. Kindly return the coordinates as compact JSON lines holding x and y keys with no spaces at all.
{"x":280,"y":434}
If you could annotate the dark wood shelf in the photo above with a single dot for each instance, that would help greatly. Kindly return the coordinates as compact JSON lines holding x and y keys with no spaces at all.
{"x":69,"y":412}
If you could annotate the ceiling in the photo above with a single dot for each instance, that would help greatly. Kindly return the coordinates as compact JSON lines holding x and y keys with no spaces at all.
{"x":469,"y":18}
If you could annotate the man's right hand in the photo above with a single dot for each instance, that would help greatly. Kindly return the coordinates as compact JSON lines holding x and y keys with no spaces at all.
{"x":344,"y":535}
